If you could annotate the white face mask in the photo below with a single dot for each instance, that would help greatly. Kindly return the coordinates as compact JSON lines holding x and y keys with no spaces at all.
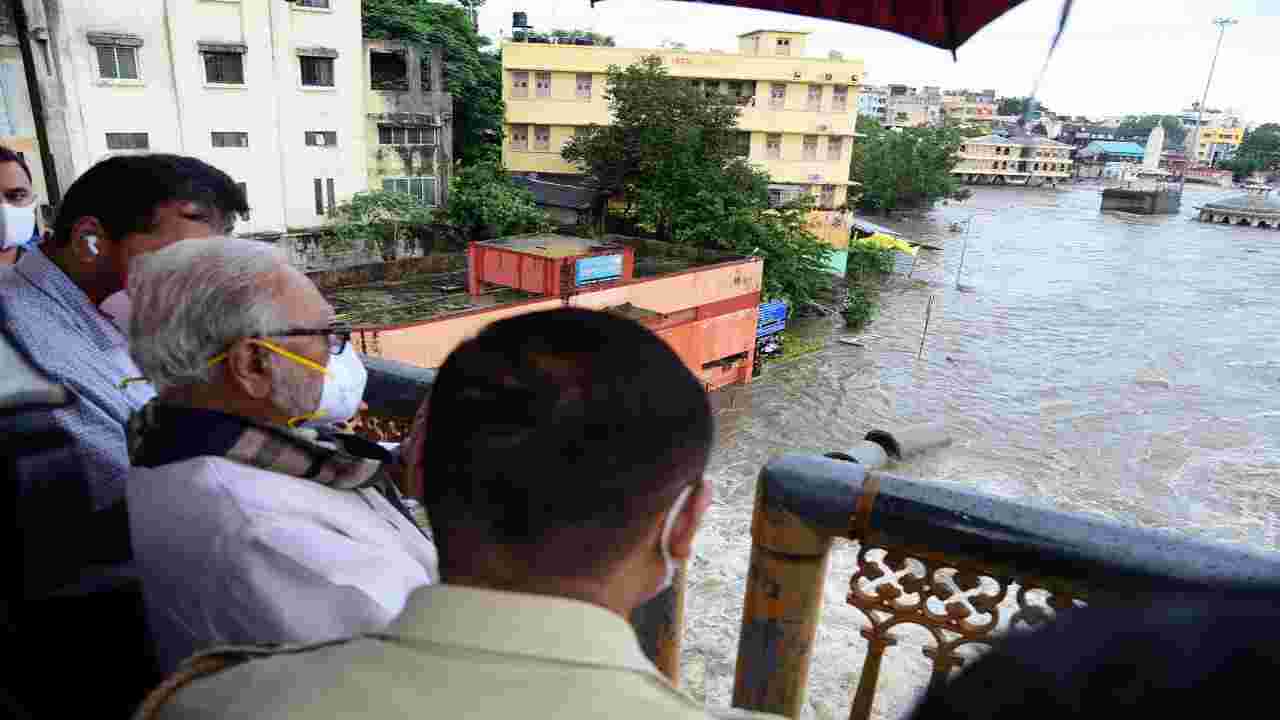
{"x":664,"y":541}
{"x":343,"y":390}
{"x":17,"y":226}
{"x":119,"y":307}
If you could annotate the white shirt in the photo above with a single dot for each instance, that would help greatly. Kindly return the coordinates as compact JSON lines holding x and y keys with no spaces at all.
{"x":232,"y":554}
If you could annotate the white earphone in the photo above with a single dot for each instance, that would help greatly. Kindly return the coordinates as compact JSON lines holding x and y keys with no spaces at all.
{"x":92,"y":241}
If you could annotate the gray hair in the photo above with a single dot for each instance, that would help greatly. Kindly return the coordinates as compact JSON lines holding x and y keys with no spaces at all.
{"x":191,"y":300}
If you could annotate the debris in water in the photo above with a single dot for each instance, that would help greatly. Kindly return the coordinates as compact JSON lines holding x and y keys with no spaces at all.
{"x":1152,"y":378}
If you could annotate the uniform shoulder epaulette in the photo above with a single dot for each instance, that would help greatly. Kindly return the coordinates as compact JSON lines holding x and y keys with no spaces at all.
{"x":212,"y":661}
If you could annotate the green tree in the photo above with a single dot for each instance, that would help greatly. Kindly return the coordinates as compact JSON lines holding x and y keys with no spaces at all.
{"x":483,"y":202}
{"x":1174,"y":133}
{"x":675,"y":155}
{"x":386,"y":217}
{"x":905,"y":168}
{"x":595,"y":37}
{"x":1258,"y":152}
{"x":471,"y":74}
{"x":1017,"y":105}
{"x":667,"y":141}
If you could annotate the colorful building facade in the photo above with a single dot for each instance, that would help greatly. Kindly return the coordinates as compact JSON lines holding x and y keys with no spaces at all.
{"x":798,"y":113}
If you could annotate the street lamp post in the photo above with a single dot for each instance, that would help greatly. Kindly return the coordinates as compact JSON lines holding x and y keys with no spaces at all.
{"x":1222,"y":23}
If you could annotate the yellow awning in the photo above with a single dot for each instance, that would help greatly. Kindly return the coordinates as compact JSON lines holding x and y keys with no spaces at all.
{"x":888,"y":242}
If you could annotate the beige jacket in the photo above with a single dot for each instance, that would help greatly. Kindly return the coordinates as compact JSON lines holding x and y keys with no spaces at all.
{"x":454,"y":652}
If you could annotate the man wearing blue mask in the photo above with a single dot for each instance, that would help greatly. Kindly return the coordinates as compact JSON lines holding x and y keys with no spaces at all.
{"x":17,"y":207}
{"x":562,"y":460}
{"x":248,"y":524}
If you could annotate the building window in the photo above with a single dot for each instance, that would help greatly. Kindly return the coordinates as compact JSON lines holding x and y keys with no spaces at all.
{"x":584,"y":86}
{"x":426,"y":72}
{"x":317,"y":71}
{"x":581,"y":131}
{"x":519,"y":137}
{"x":840,"y":98}
{"x":423,"y":189}
{"x":406,"y":135}
{"x":543,"y":82}
{"x":520,"y":84}
{"x":742,"y":144}
{"x":323,"y":4}
{"x":230,"y":139}
{"x":324,"y":204}
{"x":835,"y":147}
{"x":827,"y":197}
{"x":388,"y":71}
{"x":777,"y":95}
{"x":244,"y":193}
{"x":773,"y":146}
{"x":810,"y":147}
{"x":784,"y":46}
{"x":775,"y":197}
{"x":321,"y":138}
{"x":541,"y":137}
{"x":116,"y":62}
{"x":815,"y":97}
{"x":128,"y":141}
{"x":223,"y":68}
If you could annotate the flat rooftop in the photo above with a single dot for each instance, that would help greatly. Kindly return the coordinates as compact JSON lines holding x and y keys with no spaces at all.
{"x":428,"y":295}
{"x":551,"y":245}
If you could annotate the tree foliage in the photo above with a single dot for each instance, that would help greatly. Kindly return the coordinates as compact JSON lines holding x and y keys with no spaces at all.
{"x":571,"y":35}
{"x":1258,"y":152}
{"x":390,"y":218}
{"x":673,"y":154}
{"x":483,"y":202}
{"x":905,"y":168}
{"x":1174,"y":133}
{"x":471,"y":74}
{"x":666,"y":143}
{"x":1017,"y":105}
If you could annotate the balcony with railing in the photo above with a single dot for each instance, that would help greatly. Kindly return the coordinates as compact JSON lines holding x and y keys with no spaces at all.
{"x":960,"y":566}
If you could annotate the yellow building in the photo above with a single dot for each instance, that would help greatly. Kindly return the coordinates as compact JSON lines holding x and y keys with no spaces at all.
{"x":798,"y":113}
{"x":1218,"y":143}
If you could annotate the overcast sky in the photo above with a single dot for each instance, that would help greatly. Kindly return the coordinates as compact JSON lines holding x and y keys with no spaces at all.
{"x":1117,"y":56}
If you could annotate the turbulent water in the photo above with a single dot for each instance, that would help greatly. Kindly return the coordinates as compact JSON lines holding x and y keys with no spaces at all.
{"x":1122,"y":365}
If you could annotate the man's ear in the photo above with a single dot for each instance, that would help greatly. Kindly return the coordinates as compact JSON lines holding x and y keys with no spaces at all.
{"x":248,"y":367}
{"x":87,"y":239}
{"x":690,"y":518}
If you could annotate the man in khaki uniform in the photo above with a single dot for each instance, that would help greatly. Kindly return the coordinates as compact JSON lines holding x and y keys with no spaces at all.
{"x":561,"y":459}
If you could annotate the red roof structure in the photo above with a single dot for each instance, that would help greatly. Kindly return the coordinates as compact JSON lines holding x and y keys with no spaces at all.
{"x":946,"y":24}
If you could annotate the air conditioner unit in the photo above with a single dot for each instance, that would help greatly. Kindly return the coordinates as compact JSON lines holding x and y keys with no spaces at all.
{"x":853,"y":78}
{"x":795,"y":75}
{"x":828,"y":76}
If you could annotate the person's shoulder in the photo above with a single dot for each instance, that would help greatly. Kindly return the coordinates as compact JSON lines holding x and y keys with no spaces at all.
{"x":209,"y":683}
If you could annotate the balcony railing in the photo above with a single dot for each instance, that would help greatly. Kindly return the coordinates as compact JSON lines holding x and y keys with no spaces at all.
{"x":963,"y":566}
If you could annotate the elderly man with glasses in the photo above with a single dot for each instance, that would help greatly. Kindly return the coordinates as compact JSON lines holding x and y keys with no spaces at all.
{"x":250,"y":523}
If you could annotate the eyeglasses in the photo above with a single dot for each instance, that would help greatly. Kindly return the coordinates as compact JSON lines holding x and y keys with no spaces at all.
{"x":338,"y":336}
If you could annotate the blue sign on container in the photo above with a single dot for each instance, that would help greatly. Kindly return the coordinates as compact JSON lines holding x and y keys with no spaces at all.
{"x":598,"y":268}
{"x":773,"y":318}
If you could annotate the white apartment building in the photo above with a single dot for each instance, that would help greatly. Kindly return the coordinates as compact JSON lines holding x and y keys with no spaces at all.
{"x":270,"y":91}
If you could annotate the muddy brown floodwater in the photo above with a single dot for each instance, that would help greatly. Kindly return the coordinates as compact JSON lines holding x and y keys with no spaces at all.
{"x":1122,"y":365}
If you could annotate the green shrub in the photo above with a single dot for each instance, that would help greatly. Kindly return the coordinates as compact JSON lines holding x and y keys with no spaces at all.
{"x":860,"y":309}
{"x":866,"y":261}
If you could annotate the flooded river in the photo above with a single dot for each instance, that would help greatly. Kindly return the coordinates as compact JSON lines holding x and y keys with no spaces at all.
{"x":1122,"y":365}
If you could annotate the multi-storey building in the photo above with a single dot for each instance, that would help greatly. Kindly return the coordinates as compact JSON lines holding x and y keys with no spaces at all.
{"x":1028,"y":159}
{"x":1221,"y":133}
{"x":911,"y":107}
{"x":873,"y":102}
{"x":797,"y":120}
{"x":408,"y":120}
{"x":271,"y":91}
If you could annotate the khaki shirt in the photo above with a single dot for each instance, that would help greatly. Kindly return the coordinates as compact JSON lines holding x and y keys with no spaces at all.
{"x":456,"y":652}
